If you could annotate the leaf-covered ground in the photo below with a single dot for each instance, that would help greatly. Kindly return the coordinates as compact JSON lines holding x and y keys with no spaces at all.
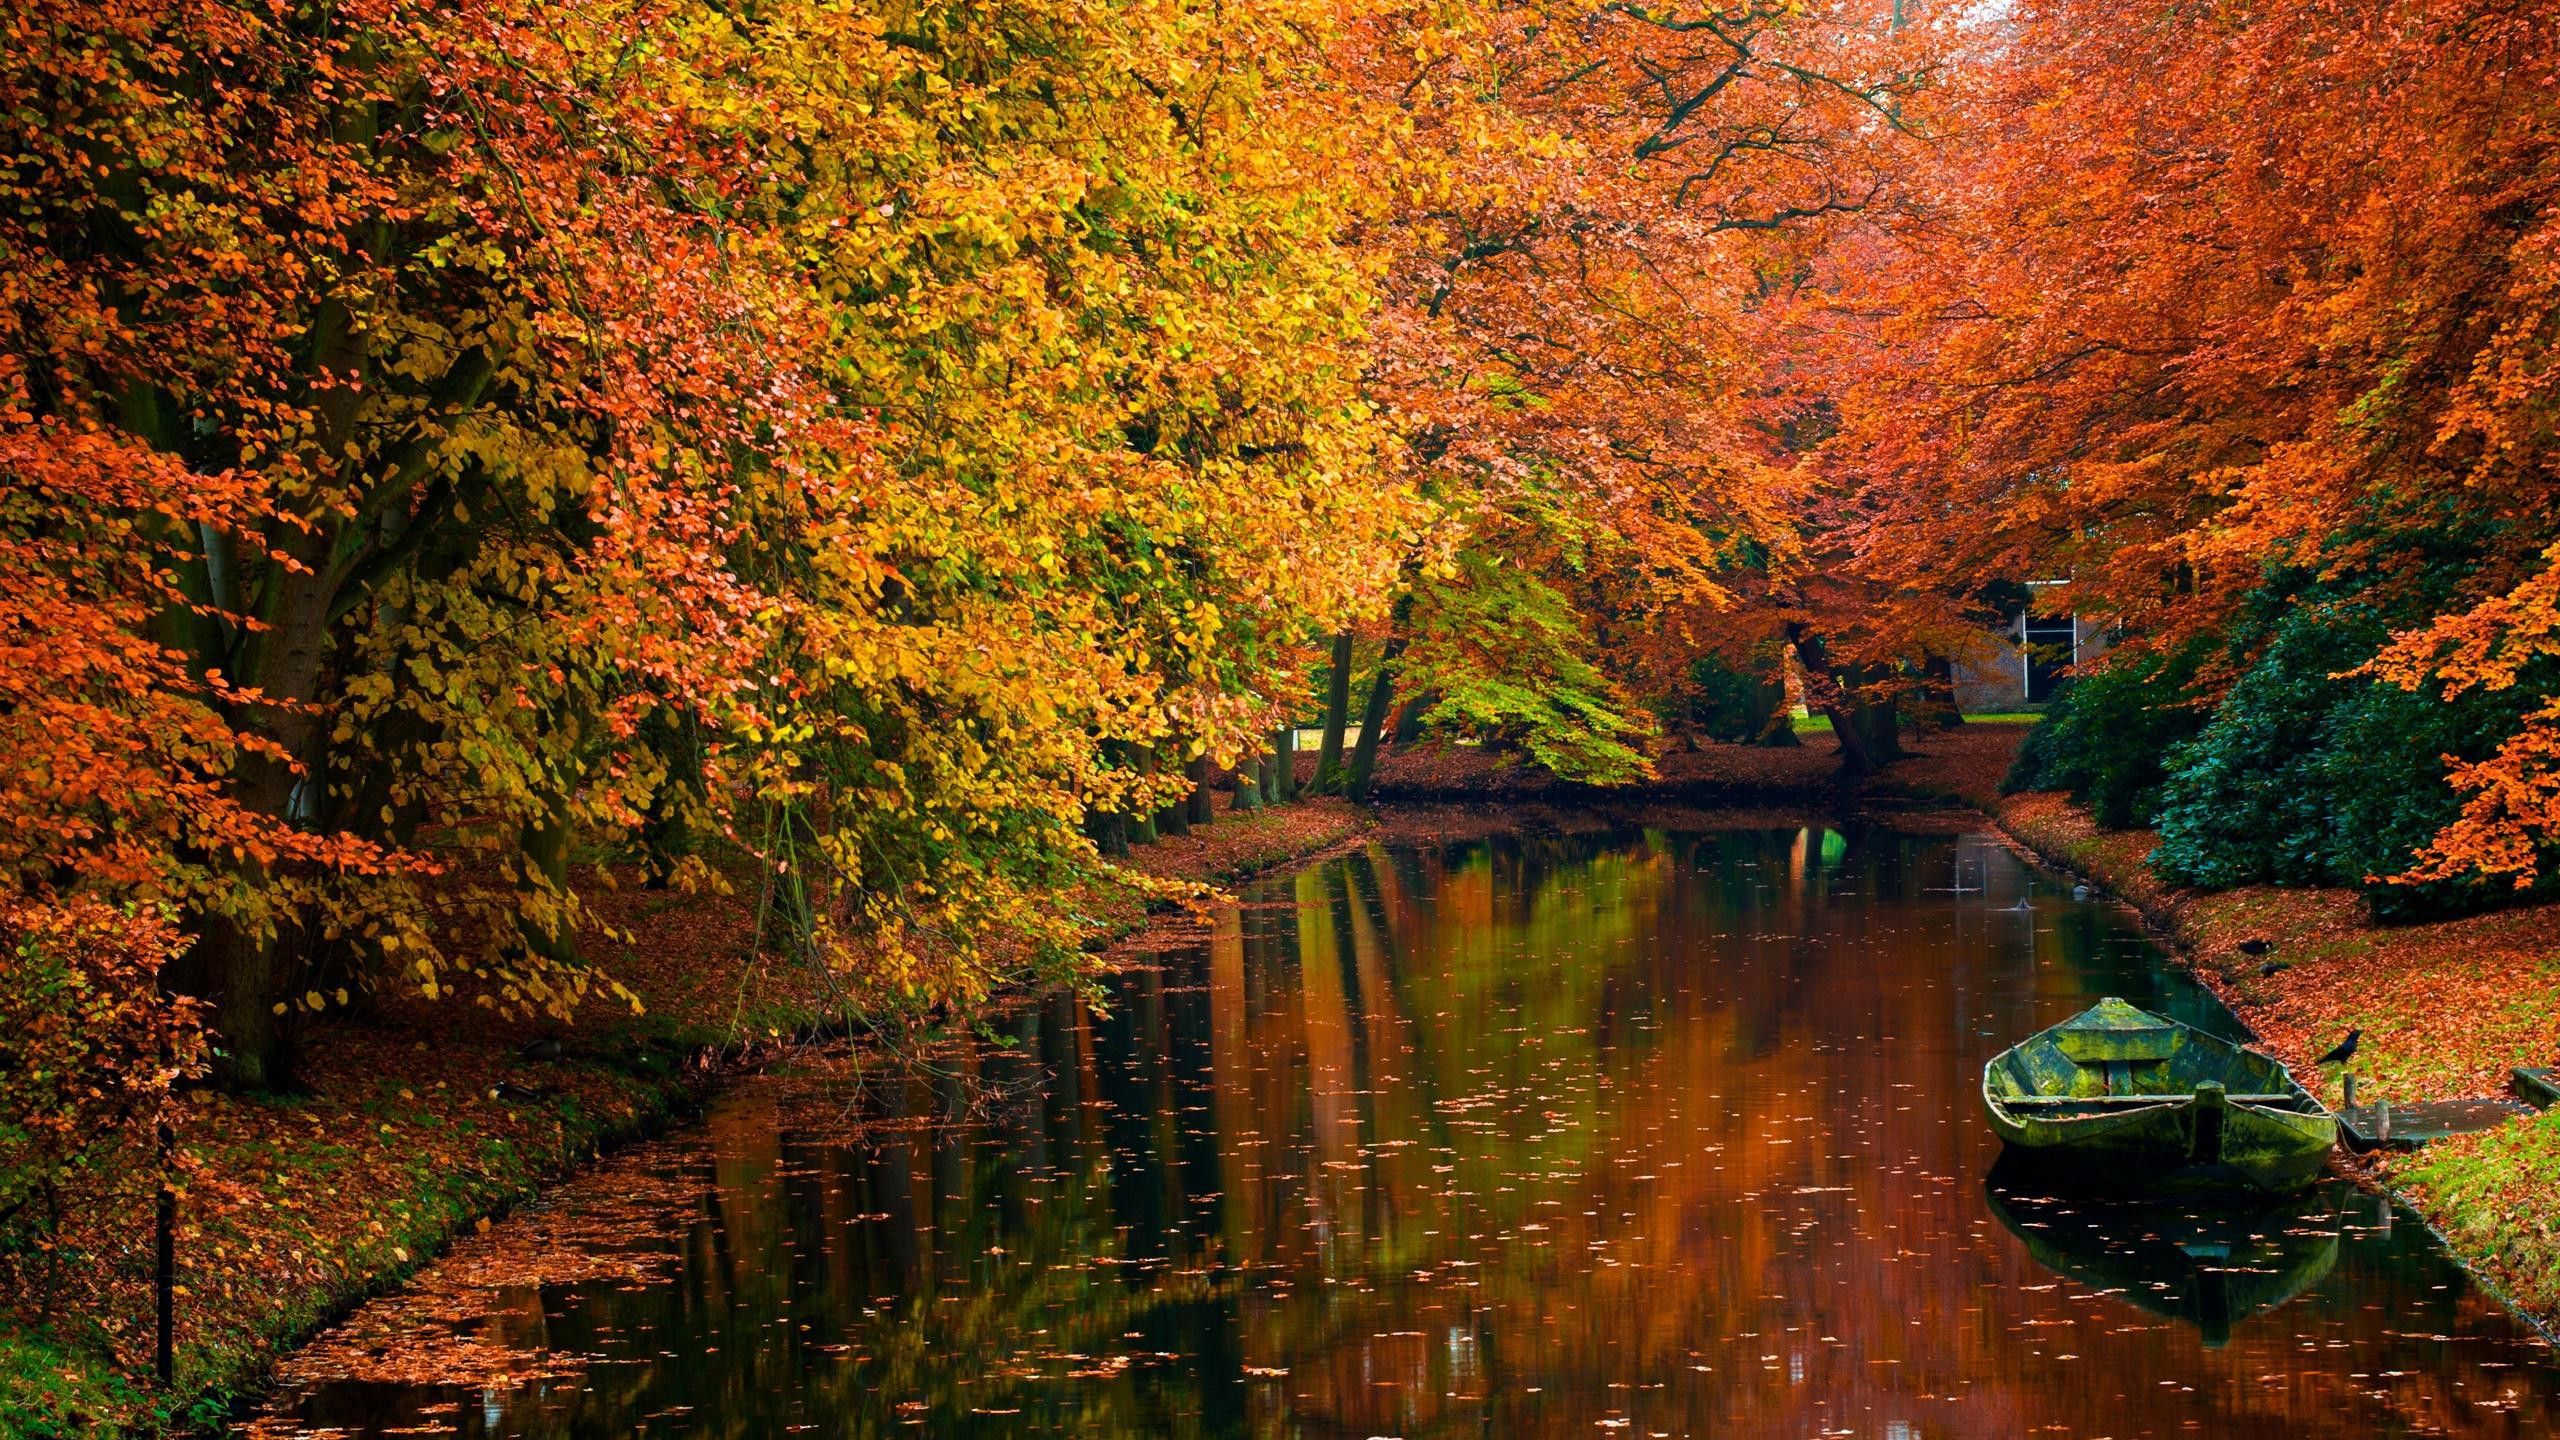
{"x":417,"y":1120}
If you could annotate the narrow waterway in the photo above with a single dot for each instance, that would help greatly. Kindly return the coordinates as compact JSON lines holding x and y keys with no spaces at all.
{"x":1635,"y":1133}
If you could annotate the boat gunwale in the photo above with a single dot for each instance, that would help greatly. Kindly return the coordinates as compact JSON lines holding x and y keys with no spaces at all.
{"x":1999,"y":1104}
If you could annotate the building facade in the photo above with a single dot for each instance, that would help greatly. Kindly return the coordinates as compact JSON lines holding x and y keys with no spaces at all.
{"x":2025,"y":660}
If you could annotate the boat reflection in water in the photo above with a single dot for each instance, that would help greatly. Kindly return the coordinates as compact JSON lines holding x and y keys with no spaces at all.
{"x":2212,"y":1266}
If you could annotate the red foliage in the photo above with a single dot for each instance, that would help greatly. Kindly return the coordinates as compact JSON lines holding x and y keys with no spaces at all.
{"x":91,"y":1048}
{"x":2230,"y":291}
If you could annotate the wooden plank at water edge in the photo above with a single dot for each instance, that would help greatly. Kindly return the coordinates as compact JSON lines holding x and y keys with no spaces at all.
{"x":2408,"y":1126}
{"x":2539,"y":1085}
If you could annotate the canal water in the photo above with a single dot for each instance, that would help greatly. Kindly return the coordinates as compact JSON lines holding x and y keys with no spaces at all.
{"x":1633,"y":1133}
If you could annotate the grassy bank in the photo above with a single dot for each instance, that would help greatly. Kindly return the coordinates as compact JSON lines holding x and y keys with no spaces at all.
{"x":416,"y":1121}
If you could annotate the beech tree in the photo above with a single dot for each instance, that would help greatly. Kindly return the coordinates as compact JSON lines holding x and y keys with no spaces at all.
{"x":2220,"y":296}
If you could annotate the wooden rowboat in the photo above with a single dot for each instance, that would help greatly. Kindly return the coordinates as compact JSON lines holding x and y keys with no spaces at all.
{"x":2124,"y":1099}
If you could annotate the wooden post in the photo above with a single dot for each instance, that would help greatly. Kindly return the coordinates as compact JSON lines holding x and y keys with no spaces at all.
{"x":2382,"y":1121}
{"x":2351,"y":1094}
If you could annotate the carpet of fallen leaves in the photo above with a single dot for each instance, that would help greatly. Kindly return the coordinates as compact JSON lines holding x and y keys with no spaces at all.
{"x":415,"y":1121}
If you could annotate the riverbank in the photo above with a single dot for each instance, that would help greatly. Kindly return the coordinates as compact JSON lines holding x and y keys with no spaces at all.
{"x":2448,"y":1009}
{"x":418,"y":1122}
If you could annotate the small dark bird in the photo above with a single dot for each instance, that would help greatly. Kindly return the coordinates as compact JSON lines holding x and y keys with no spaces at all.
{"x":2275,"y":967}
{"x":514,"y":1094}
{"x":546,"y":1047}
{"x":2345,"y":1052}
{"x":2255,"y":946}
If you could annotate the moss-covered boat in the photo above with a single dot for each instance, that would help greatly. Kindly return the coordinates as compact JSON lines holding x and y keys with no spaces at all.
{"x":2121,"y":1098}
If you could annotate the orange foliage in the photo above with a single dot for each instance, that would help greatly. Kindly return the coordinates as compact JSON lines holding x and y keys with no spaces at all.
{"x":1594,"y":201}
{"x":2230,"y":290}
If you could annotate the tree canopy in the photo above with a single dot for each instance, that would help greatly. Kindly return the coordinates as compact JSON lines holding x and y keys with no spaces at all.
{"x":451,"y":448}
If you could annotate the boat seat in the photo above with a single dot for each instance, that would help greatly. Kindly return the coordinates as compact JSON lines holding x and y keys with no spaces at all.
{"x":2124,"y":1046}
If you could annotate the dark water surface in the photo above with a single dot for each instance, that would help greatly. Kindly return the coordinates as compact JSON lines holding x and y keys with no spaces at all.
{"x":1639,"y":1134}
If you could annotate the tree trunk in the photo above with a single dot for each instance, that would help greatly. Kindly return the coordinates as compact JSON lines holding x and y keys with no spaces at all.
{"x":1204,"y":802}
{"x":1823,"y":692}
{"x":1109,"y":832}
{"x":1880,"y":726}
{"x":1879,"y":720}
{"x":1373,"y":723}
{"x":1409,"y":718}
{"x":1142,"y":824}
{"x":543,"y":886}
{"x":1940,"y":687}
{"x":1337,"y":716}
{"x":238,"y":973}
{"x":666,"y":836}
{"x":1248,"y":781}
{"x":1174,"y":816}
{"x":1280,"y":777}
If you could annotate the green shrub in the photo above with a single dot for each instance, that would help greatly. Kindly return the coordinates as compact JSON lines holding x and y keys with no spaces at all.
{"x":2106,"y":736}
{"x":2308,"y":776}
{"x":1740,"y":706}
{"x":2247,"y":802}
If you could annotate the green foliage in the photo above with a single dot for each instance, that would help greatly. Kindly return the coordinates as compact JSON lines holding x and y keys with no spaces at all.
{"x":2248,"y":803}
{"x":1742,"y":705}
{"x":2106,"y":736}
{"x":1502,"y":652}
{"x":2310,"y":775}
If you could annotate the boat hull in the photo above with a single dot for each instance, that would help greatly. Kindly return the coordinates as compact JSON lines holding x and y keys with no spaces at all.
{"x":2155,"y":1149}
{"x":2120,"y":1099}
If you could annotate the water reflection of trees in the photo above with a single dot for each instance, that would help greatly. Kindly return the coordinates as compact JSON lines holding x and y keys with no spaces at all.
{"x":1497,"y":1138}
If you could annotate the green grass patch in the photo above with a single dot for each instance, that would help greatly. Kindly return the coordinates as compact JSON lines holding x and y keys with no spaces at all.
{"x":1821,"y":724}
{"x":2492,"y":1195}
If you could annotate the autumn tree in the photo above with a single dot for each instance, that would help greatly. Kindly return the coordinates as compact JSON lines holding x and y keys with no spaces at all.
{"x":438,"y":442}
{"x":2221,"y":309}
{"x":1597,"y":201}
